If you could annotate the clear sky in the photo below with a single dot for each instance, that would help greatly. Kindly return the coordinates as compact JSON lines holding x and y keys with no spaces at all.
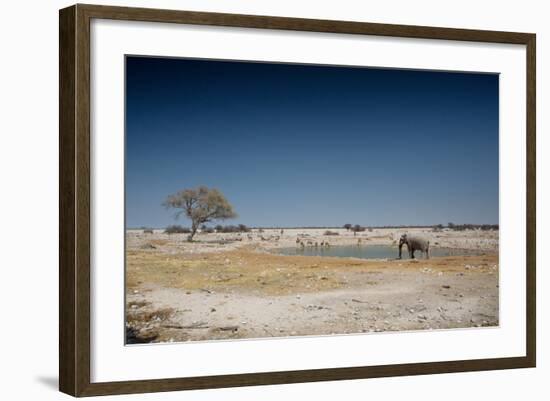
{"x":307,"y":145}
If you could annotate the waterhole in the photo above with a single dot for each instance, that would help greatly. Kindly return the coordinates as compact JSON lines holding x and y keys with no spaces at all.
{"x":370,"y":251}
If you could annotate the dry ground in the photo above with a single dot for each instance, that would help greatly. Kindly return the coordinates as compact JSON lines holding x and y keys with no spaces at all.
{"x":225,"y":287}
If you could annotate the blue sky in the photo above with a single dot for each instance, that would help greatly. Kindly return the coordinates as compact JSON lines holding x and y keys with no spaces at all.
{"x":309,"y":145}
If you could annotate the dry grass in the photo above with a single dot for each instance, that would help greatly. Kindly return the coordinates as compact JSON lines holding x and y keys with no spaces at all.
{"x":270,"y":274}
{"x":159,"y":242}
{"x":145,"y":316}
{"x":137,"y":304}
{"x":144,"y":325}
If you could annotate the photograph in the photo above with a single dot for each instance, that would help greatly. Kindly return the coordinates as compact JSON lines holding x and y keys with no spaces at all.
{"x":275,"y":199}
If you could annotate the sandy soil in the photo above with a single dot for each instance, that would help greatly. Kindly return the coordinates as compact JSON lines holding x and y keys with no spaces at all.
{"x":233,"y":286}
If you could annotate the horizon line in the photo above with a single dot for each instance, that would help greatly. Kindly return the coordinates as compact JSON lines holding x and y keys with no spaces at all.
{"x":318,"y":227}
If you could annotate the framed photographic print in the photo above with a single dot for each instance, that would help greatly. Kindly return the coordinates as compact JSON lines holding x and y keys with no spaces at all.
{"x":250,"y":200}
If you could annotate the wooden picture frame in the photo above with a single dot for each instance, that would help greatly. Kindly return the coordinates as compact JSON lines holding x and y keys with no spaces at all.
{"x":74,"y":203}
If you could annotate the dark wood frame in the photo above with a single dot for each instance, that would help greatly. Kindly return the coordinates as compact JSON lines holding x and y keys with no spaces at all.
{"x":74,"y":200}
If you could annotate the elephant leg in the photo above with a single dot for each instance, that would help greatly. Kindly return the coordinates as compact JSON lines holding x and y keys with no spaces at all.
{"x":412,"y":254}
{"x":427,"y":253}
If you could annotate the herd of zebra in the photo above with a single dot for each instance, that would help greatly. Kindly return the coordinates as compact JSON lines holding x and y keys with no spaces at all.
{"x":302,"y":244}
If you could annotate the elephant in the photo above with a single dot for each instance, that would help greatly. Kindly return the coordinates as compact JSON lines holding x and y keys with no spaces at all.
{"x":414,"y":244}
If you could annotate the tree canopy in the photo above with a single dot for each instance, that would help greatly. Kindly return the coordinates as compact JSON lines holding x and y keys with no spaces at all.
{"x":200,"y":205}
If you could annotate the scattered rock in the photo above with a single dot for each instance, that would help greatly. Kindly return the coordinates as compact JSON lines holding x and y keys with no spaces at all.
{"x":228,"y":328}
{"x":315,"y":307}
{"x":359,"y":301}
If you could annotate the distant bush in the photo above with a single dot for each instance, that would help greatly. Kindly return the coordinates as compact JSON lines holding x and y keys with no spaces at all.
{"x":437,"y":228}
{"x":328,"y":232}
{"x":488,"y":227}
{"x":148,"y":231}
{"x":464,"y":227}
{"x":207,"y":230}
{"x":241,"y":228}
{"x":175,"y":229}
{"x":230,"y":229}
{"x":357,"y":228}
{"x":347,"y":226}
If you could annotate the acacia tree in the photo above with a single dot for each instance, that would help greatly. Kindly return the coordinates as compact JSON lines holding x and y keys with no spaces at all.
{"x":200,"y":205}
